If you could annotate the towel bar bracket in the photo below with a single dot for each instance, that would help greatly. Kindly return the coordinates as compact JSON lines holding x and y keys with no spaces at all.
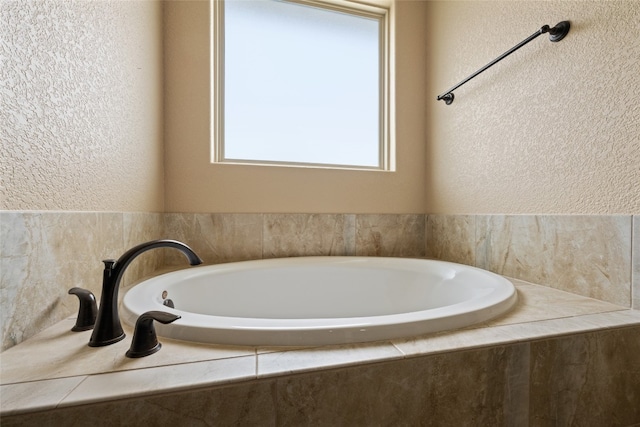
{"x":558,"y":32}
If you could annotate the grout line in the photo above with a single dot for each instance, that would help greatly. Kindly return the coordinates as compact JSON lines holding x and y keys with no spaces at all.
{"x":71,"y":391}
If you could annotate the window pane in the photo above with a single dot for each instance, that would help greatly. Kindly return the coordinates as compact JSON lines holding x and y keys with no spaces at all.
{"x":301,"y":84}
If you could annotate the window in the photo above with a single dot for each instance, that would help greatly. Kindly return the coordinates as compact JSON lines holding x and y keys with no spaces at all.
{"x":302,"y":83}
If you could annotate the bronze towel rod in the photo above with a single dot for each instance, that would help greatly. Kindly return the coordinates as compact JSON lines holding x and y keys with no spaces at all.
{"x":556,"y":34}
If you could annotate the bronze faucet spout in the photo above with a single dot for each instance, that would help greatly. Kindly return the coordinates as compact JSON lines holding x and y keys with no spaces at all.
{"x":108,"y":329}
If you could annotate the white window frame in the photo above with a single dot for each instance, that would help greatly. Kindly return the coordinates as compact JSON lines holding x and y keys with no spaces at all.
{"x":381,"y":10}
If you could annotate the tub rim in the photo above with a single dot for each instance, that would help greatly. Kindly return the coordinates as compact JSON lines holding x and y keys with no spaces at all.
{"x":253,"y":331}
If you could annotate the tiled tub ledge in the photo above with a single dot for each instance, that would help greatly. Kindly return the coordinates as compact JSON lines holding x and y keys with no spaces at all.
{"x":56,"y":368}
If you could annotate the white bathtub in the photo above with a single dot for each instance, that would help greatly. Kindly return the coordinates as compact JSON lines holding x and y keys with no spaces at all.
{"x":320,"y":300}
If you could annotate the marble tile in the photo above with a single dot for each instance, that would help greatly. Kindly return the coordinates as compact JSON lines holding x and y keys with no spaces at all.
{"x":330,"y":385}
{"x":301,"y":360}
{"x":636,"y":263}
{"x":451,"y":238}
{"x":278,"y":348}
{"x":537,"y":302}
{"x":287,"y":235}
{"x":443,"y":342}
{"x":15,"y":255}
{"x":390,"y":235}
{"x":569,"y":325}
{"x":149,"y":381}
{"x":612,"y":319}
{"x":586,"y":255}
{"x":541,"y":312}
{"x":249,"y":404}
{"x":170,"y":371}
{"x":586,"y":379}
{"x":57,"y":352}
{"x":476,"y":337}
{"x":36,"y":396}
{"x":49,"y":253}
{"x":419,"y":391}
{"x":216,"y":238}
{"x":517,"y":385}
{"x":140,"y":227}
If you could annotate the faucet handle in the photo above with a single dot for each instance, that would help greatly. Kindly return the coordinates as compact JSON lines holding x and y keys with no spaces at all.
{"x":87,"y":311}
{"x":145,"y":341}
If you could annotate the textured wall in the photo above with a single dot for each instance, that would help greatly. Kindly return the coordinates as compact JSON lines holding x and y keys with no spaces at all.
{"x":195,"y":185}
{"x":553,"y":128}
{"x":81,"y":105}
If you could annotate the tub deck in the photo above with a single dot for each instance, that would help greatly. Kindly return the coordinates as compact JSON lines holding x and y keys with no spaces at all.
{"x":56,"y":368}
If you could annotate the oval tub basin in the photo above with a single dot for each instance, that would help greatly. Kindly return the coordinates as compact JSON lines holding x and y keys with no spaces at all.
{"x":320,"y":300}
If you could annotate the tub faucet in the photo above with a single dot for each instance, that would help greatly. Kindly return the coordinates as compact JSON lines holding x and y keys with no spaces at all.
{"x":108,"y":329}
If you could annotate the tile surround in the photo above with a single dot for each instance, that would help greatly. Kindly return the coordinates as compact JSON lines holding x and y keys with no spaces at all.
{"x":451,"y":238}
{"x":237,"y":237}
{"x":593,"y":256}
{"x":41,"y":395}
{"x":540,"y":381}
{"x":310,"y":359}
{"x":390,"y":235}
{"x":249,"y":404}
{"x":541,"y":312}
{"x":586,"y":379}
{"x":308,"y":235}
{"x":216,"y":238}
{"x":173,"y":378}
{"x":72,"y":346}
{"x":139,"y":227}
{"x":417,"y":391}
{"x":586,"y":255}
{"x":417,"y":377}
{"x":45,"y":253}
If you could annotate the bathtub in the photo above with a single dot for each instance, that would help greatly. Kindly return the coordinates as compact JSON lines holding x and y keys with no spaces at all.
{"x":319,"y":300}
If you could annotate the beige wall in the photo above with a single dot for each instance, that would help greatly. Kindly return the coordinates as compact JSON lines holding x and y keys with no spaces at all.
{"x":81,"y":105}
{"x":195,"y":185}
{"x":553,"y":128}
